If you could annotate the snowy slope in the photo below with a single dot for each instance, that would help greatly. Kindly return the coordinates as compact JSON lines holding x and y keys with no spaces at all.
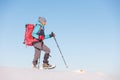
{"x":7,"y":73}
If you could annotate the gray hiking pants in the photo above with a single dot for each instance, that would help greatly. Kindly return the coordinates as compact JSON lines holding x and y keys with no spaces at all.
{"x":38,"y":47}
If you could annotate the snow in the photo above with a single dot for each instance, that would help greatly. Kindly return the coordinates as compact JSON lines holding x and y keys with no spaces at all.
{"x":9,"y":73}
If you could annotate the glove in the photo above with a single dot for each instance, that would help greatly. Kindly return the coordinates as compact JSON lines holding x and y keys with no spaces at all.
{"x":52,"y":34}
{"x":41,"y":37}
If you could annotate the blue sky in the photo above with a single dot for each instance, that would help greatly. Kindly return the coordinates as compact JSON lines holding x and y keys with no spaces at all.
{"x":88,"y":32}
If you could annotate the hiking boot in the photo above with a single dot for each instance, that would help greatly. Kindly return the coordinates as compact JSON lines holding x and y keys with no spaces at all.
{"x":35,"y":63}
{"x":46,"y":66}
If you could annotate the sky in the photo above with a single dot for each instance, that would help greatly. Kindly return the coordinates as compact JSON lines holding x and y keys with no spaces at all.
{"x":87,"y":31}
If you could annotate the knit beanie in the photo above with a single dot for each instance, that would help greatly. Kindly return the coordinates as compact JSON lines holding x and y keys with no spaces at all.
{"x":41,"y":19}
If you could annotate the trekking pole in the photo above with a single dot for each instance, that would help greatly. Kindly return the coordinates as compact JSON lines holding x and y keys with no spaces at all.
{"x":39,"y":63}
{"x":60,"y":52}
{"x":40,"y":55}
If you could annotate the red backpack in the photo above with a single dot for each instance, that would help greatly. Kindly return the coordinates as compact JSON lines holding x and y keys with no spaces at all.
{"x":28,"y":40}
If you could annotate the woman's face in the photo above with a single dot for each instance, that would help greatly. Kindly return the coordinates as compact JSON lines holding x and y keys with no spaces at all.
{"x":43,"y":23}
